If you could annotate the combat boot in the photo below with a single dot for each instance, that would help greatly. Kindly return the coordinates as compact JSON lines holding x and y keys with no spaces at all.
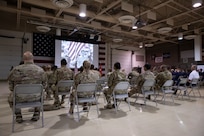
{"x":36,"y":116}
{"x":71,"y":109}
{"x":19,"y":118}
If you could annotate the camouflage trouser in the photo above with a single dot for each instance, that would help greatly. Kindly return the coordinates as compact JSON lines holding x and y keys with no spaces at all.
{"x":133,"y":91}
{"x":81,"y":95}
{"x":22,"y":99}
{"x":56,"y":94}
{"x":49,"y":90}
{"x":108,"y":94}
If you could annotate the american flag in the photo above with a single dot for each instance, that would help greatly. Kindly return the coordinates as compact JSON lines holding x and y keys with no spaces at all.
{"x":102,"y":58}
{"x":43,"y":48}
{"x":73,"y":49}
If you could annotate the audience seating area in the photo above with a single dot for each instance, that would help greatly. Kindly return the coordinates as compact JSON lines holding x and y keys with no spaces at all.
{"x":176,"y":113}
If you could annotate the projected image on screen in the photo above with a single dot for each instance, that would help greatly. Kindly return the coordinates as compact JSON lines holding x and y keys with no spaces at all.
{"x":76,"y":52}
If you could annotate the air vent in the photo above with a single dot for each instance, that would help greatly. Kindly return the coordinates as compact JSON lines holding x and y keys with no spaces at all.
{"x":190,"y":37}
{"x":43,"y":29}
{"x":149,"y":45}
{"x":117,"y":40}
{"x":164,"y":30}
{"x":127,"y":19}
{"x":63,"y":3}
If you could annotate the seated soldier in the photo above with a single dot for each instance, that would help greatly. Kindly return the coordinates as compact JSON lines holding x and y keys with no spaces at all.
{"x":27,"y":73}
{"x":115,"y":77}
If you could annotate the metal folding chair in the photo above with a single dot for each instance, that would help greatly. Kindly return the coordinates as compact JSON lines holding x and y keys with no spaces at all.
{"x":34,"y":98}
{"x":148,"y":89}
{"x":120,"y":92}
{"x":194,"y":85}
{"x":64,"y":87}
{"x":167,"y":89}
{"x":86,"y":93}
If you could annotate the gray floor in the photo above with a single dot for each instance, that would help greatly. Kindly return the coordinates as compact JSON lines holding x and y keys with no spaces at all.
{"x":184,"y":118}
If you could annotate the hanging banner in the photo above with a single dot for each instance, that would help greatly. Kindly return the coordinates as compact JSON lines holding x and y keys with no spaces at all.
{"x":159,"y":59}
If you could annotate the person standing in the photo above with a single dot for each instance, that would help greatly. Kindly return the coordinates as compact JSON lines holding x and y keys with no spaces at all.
{"x":27,"y":73}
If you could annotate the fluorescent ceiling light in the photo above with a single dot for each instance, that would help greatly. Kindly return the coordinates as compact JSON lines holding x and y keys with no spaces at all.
{"x":196,"y":3}
{"x":82,"y":10}
{"x":180,"y":36}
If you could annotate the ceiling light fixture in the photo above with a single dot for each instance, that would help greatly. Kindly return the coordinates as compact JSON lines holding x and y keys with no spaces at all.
{"x":82,"y":10}
{"x":138,"y":23}
{"x":134,"y":26}
{"x":63,"y":3}
{"x":196,"y":3}
{"x":180,"y":36}
{"x":43,"y":29}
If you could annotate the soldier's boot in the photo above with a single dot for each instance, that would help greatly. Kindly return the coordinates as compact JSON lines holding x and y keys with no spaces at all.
{"x":19,"y":118}
{"x":109,"y":105}
{"x":85,"y":107}
{"x":63,"y":97}
{"x":71,"y":109}
{"x":36,"y":116}
{"x":57,"y":101}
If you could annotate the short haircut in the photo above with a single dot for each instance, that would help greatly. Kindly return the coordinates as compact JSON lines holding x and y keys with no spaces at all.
{"x":117,"y":65}
{"x":147,"y":66}
{"x":86,"y":65}
{"x":63,"y":62}
{"x":92,"y":66}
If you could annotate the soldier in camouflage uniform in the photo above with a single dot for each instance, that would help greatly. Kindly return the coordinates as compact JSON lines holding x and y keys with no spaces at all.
{"x":27,"y":73}
{"x":52,"y":79}
{"x":98,"y":74}
{"x":48,"y":72}
{"x":115,"y":77}
{"x":162,"y":77}
{"x":62,"y":73}
{"x":132,"y":76}
{"x":140,"y":80}
{"x":87,"y":76}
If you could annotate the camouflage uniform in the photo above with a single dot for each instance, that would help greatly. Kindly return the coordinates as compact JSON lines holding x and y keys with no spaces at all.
{"x":83,"y":78}
{"x":27,"y":73}
{"x":161,"y":78}
{"x":62,"y":73}
{"x":114,"y":78}
{"x":133,"y":75}
{"x":140,"y":80}
{"x":48,"y":90}
{"x":97,"y":73}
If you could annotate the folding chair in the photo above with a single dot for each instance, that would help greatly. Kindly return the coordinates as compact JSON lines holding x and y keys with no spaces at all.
{"x":34,"y":95}
{"x":86,"y":93}
{"x":120,"y":92}
{"x":194,"y":85}
{"x":64,"y":87}
{"x":181,"y":87}
{"x":101,"y":83}
{"x":167,"y":89}
{"x":148,"y":89}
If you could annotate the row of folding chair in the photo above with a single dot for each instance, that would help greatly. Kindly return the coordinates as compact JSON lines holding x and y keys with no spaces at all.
{"x":120,"y":93}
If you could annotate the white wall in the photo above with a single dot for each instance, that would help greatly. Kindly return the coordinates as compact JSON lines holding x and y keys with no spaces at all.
{"x":126,"y":56}
{"x":11,"y":49}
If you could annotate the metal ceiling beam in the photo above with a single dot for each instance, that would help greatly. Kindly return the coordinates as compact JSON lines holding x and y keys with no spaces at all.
{"x":13,"y":10}
{"x":106,"y":9}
